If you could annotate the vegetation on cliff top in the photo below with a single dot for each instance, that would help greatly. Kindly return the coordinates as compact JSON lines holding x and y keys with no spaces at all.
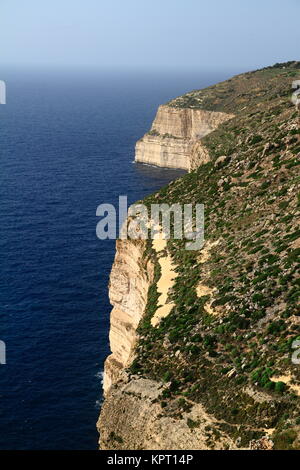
{"x":231,"y":350}
{"x":237,"y":94}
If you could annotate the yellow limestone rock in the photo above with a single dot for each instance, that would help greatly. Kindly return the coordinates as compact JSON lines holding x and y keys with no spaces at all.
{"x":129,"y":282}
{"x":166,"y":281}
{"x":203,"y":290}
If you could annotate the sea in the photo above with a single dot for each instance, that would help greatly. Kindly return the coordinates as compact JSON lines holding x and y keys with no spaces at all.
{"x":67,"y":142}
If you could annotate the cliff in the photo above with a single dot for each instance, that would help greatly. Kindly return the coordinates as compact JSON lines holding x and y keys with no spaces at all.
{"x":130,"y":280}
{"x":204,"y":342}
{"x":173,"y":135}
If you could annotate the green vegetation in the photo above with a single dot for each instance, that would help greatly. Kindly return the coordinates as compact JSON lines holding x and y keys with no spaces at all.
{"x":252,"y":209}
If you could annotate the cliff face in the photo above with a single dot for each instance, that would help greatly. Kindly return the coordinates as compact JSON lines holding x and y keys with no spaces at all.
{"x":174,"y":132}
{"x":129,"y":283}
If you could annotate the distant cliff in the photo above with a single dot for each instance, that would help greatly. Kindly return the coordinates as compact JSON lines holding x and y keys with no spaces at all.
{"x":203,"y":342}
{"x":174,"y":133}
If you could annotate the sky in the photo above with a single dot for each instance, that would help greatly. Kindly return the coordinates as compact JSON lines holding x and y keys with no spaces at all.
{"x":143,"y":34}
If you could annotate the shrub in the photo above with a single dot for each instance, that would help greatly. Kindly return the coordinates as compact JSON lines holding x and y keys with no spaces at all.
{"x":255,"y":139}
{"x":269,"y":385}
{"x":192,"y":424}
{"x":114,"y":437}
{"x":167,"y":377}
{"x":285,"y":440}
{"x":276,"y":326}
{"x":280,"y":387}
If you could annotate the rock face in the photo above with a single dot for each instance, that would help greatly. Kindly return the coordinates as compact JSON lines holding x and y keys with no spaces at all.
{"x":129,"y":282}
{"x":131,"y":420}
{"x":173,"y":141}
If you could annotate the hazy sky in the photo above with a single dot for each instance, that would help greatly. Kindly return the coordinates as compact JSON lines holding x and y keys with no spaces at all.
{"x":149,"y":33}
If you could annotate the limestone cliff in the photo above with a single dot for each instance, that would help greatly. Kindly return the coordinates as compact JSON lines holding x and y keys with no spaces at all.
{"x":219,"y":368}
{"x":129,"y":283}
{"x":174,"y":134}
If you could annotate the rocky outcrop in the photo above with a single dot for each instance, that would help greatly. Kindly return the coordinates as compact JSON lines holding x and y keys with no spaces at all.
{"x":131,"y":419}
{"x":198,"y":154}
{"x":173,"y":141}
{"x":130,"y":278}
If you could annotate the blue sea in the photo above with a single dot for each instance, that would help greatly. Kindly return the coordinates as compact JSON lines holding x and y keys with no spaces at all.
{"x":66,"y":145}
